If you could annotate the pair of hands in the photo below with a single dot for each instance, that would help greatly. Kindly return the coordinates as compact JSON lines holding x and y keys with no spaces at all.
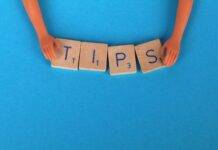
{"x":170,"y":49}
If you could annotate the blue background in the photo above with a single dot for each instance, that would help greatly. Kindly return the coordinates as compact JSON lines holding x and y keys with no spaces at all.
{"x":170,"y":109}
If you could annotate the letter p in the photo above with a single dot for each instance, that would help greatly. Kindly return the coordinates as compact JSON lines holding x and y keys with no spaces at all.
{"x":120,"y":57}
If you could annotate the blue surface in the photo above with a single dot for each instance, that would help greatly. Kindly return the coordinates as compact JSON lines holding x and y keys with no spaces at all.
{"x":170,"y":109}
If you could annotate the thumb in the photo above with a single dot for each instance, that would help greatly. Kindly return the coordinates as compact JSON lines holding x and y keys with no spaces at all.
{"x":163,"y":52}
{"x":57,"y":44}
{"x":57,"y":48}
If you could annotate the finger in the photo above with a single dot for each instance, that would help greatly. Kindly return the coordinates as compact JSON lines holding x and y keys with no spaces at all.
{"x":172,"y":58}
{"x":163,"y":53}
{"x":44,"y":53}
{"x":164,"y":50}
{"x":175,"y":58}
{"x":47,"y":53}
{"x":166,"y":59}
{"x":52,"y":53}
{"x":171,"y":55}
{"x":169,"y":59}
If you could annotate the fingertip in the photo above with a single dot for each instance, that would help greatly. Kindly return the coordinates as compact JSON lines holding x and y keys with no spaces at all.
{"x":46,"y":57}
{"x":167,"y":61}
{"x":175,"y":59}
{"x":171,"y":59}
{"x":49,"y":58}
{"x":52,"y":55}
{"x":45,"y":54}
{"x":168,"y":64}
{"x":48,"y":54}
{"x":52,"y":51}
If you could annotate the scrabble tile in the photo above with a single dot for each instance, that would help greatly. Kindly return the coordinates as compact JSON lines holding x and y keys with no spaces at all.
{"x":122,"y":59}
{"x":149,"y":55}
{"x":93,"y":56}
{"x":68,"y":55}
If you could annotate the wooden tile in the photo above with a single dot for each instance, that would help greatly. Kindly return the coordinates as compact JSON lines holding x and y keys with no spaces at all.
{"x":122,"y":59}
{"x":93,"y":56}
{"x":68,"y":55}
{"x":149,"y":55}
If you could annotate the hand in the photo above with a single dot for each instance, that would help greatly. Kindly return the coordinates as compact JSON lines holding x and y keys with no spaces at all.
{"x":170,"y":52}
{"x":49,"y":45}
